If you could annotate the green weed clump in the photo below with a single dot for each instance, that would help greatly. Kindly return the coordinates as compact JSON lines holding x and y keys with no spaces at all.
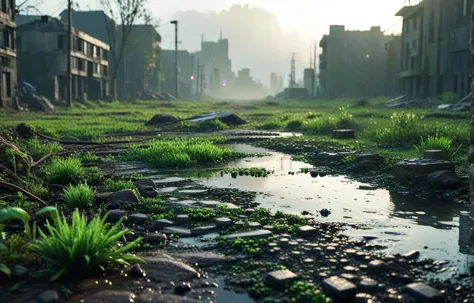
{"x":79,"y":248}
{"x":64,"y":170}
{"x":302,"y":291}
{"x":181,"y":153}
{"x":36,"y":149}
{"x":80,"y":196}
{"x":112,"y":185}
{"x":438,"y":143}
{"x":404,"y":129}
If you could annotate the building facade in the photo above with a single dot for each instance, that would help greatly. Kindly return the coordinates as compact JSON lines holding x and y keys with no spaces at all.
{"x":435,"y":48}
{"x":187,"y":73}
{"x":8,"y":62}
{"x":352,"y":63}
{"x":309,"y":81}
{"x":393,"y":68}
{"x":42,"y":60}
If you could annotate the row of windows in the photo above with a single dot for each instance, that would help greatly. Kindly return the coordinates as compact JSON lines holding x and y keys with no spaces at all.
{"x":81,"y":65}
{"x":87,"y":48}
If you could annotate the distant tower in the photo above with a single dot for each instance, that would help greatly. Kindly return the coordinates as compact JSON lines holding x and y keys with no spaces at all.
{"x":293,"y":72}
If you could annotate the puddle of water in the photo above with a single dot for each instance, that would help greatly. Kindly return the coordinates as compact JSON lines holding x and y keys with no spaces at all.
{"x":401,"y":222}
{"x":228,"y":296}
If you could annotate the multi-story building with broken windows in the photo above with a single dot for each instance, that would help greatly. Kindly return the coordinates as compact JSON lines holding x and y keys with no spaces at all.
{"x":8,"y":71}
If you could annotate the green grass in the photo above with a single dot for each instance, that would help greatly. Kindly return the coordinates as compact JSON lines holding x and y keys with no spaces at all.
{"x":112,"y":185}
{"x":79,"y":248}
{"x":438,"y":143}
{"x":64,"y":170}
{"x":181,"y":153}
{"x":36,"y":149}
{"x":80,"y":196}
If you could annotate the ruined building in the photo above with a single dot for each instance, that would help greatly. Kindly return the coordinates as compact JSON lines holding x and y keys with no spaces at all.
{"x":435,"y":48}
{"x":42,"y":60}
{"x":187,"y":75}
{"x":352,"y":63}
{"x":8,"y":66}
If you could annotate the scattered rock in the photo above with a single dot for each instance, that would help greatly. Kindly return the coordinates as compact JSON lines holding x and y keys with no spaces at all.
{"x":18,"y":271}
{"x":424,"y":293}
{"x":314,"y":174}
{"x":126,"y":195}
{"x":182,"y":288}
{"x":327,"y":157}
{"x":307,"y":231}
{"x":280,"y":279}
{"x":146,"y":188}
{"x":183,"y":232}
{"x":368,"y":160}
{"x":220,"y":222}
{"x":48,"y":296}
{"x":202,"y":258}
{"x":182,"y":219}
{"x":202,"y":230}
{"x":154,"y":238}
{"x":249,"y":211}
{"x":160,"y":119}
{"x":340,"y":287}
{"x":115,"y":215}
{"x":167,"y":269}
{"x":137,"y":219}
{"x":368,"y":284}
{"x":442,"y":180}
{"x":412,"y":255}
{"x":408,"y":171}
{"x":255,"y":234}
{"x":433,"y":155}
{"x":136,"y":271}
{"x":160,"y":224}
{"x":325,"y":212}
{"x":254,"y":224}
{"x":377,"y":266}
{"x":343,"y":134}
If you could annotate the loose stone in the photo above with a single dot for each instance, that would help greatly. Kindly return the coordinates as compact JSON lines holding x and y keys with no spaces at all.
{"x":368,"y":284}
{"x":341,"y":288}
{"x":202,"y":230}
{"x":136,"y":271}
{"x":254,"y":224}
{"x":182,"y":288}
{"x":281,"y":278}
{"x":412,"y":255}
{"x":154,"y":238}
{"x":220,"y":222}
{"x":350,"y":268}
{"x":256,"y":234}
{"x":307,"y":231}
{"x":249,"y":211}
{"x":125,"y":195}
{"x":377,"y":266}
{"x":183,"y":232}
{"x":160,"y":224}
{"x":293,"y":243}
{"x":283,"y":242}
{"x":349,"y":277}
{"x":269,"y":227}
{"x":137,"y":219}
{"x":424,"y":293}
{"x":182,"y":219}
{"x":48,"y":296}
{"x":115,"y":215}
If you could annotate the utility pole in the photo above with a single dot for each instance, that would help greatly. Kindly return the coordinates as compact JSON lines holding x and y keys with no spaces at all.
{"x":202,"y":81}
{"x":176,"y":57}
{"x":69,"y":54}
{"x":313,"y":87}
{"x":198,"y":80}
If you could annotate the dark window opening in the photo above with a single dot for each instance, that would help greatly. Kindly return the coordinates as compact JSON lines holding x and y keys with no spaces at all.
{"x":60,"y":42}
{"x":4,"y":6}
{"x":431,"y":33}
{"x":19,"y":42}
{"x":9,"y":84}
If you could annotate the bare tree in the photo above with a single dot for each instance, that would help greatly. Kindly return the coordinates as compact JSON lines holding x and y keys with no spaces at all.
{"x":25,"y":6}
{"x":124,"y":14}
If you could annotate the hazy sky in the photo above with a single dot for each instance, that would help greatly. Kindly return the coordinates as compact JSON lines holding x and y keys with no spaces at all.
{"x":309,"y":19}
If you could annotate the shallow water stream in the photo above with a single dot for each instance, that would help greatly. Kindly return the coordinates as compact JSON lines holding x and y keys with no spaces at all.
{"x":400,"y":222}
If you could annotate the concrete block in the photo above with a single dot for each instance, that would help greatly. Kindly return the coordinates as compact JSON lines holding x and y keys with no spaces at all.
{"x":433,"y":154}
{"x":340,"y":287}
{"x":424,"y":293}
{"x":343,"y":134}
{"x":280,"y":279}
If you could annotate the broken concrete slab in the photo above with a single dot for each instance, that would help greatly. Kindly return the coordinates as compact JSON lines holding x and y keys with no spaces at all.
{"x":307,"y":231}
{"x":442,"y":180}
{"x":255,"y":234}
{"x":340,"y":287}
{"x":408,"y":171}
{"x":160,"y":119}
{"x":183,"y":232}
{"x":433,"y":155}
{"x":221,"y":222}
{"x":226,"y":118}
{"x":280,"y":279}
{"x":424,"y":293}
{"x":202,"y":230}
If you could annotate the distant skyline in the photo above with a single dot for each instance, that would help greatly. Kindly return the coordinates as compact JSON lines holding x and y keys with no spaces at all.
{"x":309,"y":20}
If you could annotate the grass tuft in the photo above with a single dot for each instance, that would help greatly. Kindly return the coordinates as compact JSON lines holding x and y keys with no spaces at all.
{"x":438,"y":143}
{"x":79,"y":248}
{"x":36,"y":149}
{"x":64,"y":170}
{"x":80,"y":196}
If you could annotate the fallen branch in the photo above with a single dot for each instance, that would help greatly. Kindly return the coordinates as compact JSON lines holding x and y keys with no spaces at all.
{"x":6,"y":185}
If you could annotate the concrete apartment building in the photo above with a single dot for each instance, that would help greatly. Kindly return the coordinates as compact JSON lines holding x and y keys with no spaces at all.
{"x":8,"y":62}
{"x":352,"y":63}
{"x":42,"y":58}
{"x":276,"y":84}
{"x":435,"y":48}
{"x":393,"y":67}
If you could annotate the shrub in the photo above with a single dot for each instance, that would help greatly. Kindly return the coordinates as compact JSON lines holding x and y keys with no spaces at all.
{"x":80,"y":247}
{"x":93,"y":175}
{"x":449,"y":98}
{"x":271,"y":125}
{"x":311,"y":115}
{"x":345,"y":119}
{"x":294,"y":125}
{"x":112,"y":185}
{"x":404,"y":128}
{"x":36,"y":149}
{"x":438,"y":143}
{"x":64,"y":170}
{"x":80,"y":196}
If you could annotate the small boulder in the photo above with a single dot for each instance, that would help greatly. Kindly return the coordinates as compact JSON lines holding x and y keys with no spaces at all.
{"x":48,"y":296}
{"x":154,"y":238}
{"x":137,"y":219}
{"x":182,"y":219}
{"x":433,"y":154}
{"x":327,"y":157}
{"x":160,"y":119}
{"x":280,"y":279}
{"x":18,"y":271}
{"x":136,"y":271}
{"x":125,"y":195}
{"x":442,"y":180}
{"x":343,"y":134}
{"x":221,"y":222}
{"x":160,"y":224}
{"x":182,"y":288}
{"x":167,"y":269}
{"x":115,"y":215}
{"x":307,"y":231}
